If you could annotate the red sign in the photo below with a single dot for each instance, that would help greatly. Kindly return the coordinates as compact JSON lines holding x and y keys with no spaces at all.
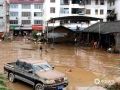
{"x":37,"y":27}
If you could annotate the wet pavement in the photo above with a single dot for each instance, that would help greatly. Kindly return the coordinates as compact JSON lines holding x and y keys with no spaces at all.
{"x":85,"y":63}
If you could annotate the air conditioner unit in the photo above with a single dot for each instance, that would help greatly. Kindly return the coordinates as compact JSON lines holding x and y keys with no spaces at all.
{"x":16,"y":17}
{"x":7,"y":12}
{"x":41,"y":10}
{"x":28,"y":17}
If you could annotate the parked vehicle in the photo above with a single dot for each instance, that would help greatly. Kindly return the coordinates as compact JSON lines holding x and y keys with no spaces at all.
{"x":38,"y":73}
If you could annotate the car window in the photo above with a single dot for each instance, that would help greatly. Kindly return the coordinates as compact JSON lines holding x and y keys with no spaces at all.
{"x":42,"y":67}
{"x":20,"y":64}
{"x":27,"y":66}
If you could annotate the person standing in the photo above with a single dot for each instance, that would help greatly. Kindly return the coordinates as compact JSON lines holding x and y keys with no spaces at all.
{"x":40,"y":48}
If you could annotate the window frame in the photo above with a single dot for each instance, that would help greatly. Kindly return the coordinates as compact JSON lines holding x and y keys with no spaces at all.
{"x":101,"y":11}
{"x":88,"y":11}
{"x":24,"y":6}
{"x":26,"y":14}
{"x":26,"y":21}
{"x":52,"y":9}
{"x":52,"y":1}
{"x":14,"y":21}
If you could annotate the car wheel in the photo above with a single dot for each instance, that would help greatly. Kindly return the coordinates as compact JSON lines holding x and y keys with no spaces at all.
{"x":11,"y":77}
{"x":39,"y":86}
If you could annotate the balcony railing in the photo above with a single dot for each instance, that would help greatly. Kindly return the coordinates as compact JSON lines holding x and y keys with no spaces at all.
{"x":111,"y":17}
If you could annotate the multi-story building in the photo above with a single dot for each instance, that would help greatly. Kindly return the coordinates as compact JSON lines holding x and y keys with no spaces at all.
{"x":25,"y":13}
{"x":60,"y":8}
{"x":26,"y":16}
{"x":4,"y":17}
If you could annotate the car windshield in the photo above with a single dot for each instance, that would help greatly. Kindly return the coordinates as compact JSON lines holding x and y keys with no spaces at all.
{"x":42,"y":67}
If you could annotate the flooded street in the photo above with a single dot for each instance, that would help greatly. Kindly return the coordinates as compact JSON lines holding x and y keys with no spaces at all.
{"x":85,"y":63}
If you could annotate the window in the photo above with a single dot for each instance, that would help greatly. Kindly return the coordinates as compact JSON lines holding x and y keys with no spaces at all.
{"x":88,"y":2}
{"x":26,"y":6}
{"x":52,"y":9}
{"x":96,"y":2}
{"x":64,"y":10}
{"x":64,"y":2}
{"x":26,"y":14}
{"x":38,"y":6}
{"x":88,"y":11}
{"x":13,"y":5}
{"x":26,"y":22}
{"x":96,"y":11}
{"x":38,"y":22}
{"x":52,"y":0}
{"x":101,"y":2}
{"x":20,"y":64}
{"x":27,"y":66}
{"x":13,"y":14}
{"x":38,"y":14}
{"x":101,"y":11}
{"x":13,"y":21}
{"x":78,"y":11}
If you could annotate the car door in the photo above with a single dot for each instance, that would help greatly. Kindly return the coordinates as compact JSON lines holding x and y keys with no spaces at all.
{"x":19,"y":70}
{"x":28,"y":74}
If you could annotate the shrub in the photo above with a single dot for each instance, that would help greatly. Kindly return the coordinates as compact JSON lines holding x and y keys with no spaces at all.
{"x":115,"y":86}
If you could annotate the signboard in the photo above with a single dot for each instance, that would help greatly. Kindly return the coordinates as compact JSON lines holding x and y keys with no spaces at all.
{"x":14,"y":27}
{"x":37,"y":27}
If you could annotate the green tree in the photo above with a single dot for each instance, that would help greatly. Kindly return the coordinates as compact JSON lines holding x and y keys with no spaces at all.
{"x":115,"y":86}
{"x":34,"y":34}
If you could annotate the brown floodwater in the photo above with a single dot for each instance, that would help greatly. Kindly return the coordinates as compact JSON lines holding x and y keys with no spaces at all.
{"x":86,"y":63}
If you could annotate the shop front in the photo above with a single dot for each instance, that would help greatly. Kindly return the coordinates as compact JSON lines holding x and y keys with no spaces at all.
{"x":15,"y":30}
{"x":25,"y":30}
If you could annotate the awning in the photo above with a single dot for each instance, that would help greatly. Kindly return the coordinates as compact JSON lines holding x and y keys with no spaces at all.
{"x":26,"y":28}
{"x":14,"y":27}
{"x":37,"y":27}
{"x":81,"y":18}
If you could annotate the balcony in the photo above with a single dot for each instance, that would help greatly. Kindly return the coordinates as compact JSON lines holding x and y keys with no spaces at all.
{"x":111,"y":17}
{"x":80,"y":2}
{"x":79,"y":11}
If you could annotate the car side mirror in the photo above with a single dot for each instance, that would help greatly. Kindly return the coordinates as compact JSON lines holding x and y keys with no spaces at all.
{"x":53,"y":67}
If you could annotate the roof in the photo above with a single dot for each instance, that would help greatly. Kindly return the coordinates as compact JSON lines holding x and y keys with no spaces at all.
{"x":57,"y":27}
{"x":82,"y":18}
{"x":32,"y":60}
{"x":104,"y":27}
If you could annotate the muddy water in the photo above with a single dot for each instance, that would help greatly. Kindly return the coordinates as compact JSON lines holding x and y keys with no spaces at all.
{"x":86,"y":63}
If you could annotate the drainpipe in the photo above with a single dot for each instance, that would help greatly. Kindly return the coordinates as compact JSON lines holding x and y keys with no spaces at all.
{"x":88,"y":31}
{"x":47,"y":32}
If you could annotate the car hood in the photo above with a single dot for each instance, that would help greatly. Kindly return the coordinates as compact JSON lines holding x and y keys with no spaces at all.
{"x":50,"y":74}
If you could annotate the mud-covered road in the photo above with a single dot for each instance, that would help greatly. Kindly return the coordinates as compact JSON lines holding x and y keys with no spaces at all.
{"x":86,"y":64}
